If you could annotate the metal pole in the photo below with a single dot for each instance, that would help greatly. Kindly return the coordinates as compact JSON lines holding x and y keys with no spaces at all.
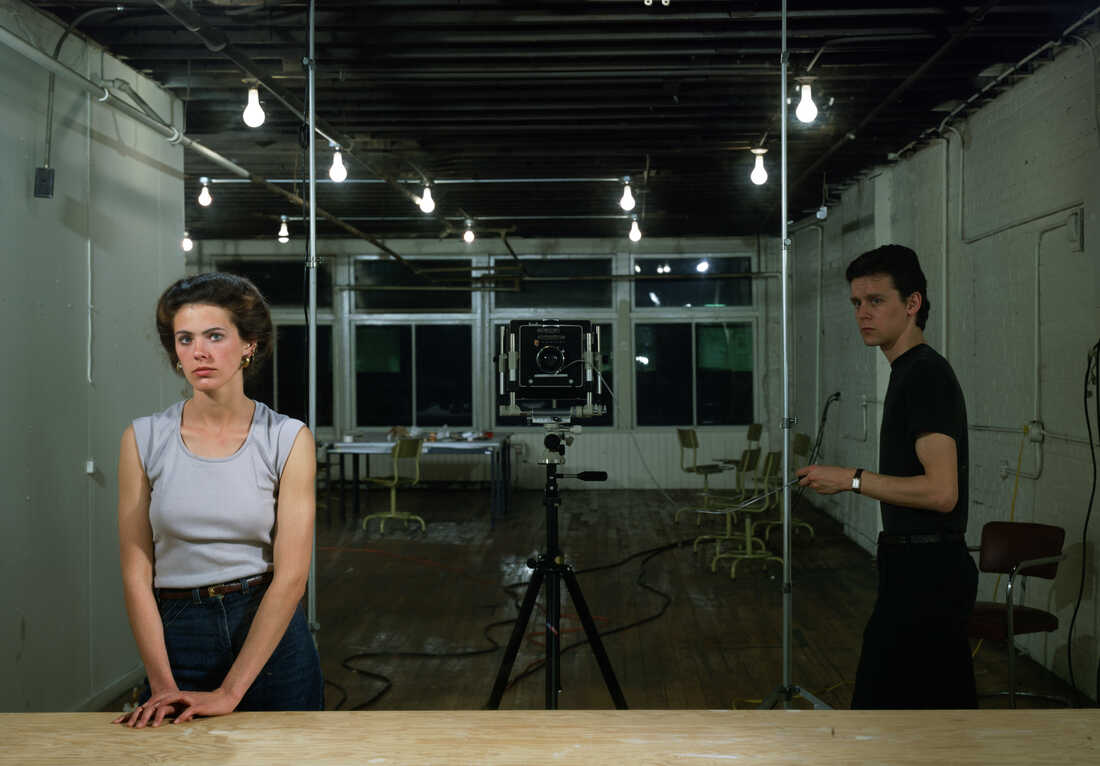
{"x":786,"y":370}
{"x":311,"y":264}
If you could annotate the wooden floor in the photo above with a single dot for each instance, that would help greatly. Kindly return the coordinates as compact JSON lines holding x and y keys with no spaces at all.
{"x":408,"y":612}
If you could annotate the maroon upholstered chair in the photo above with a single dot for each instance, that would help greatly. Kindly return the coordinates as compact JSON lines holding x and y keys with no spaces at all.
{"x":1016,"y":549}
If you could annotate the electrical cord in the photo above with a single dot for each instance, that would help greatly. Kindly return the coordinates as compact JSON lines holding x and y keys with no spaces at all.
{"x":1092,"y":373}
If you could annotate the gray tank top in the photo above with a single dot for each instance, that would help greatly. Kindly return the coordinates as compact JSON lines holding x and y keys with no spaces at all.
{"x":212,"y":518}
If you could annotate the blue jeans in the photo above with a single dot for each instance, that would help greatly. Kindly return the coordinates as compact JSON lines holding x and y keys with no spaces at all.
{"x":204,"y":634}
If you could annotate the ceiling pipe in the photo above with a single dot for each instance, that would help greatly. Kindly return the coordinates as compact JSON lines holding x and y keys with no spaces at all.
{"x":217,"y":42}
{"x":173,"y":134}
{"x":850,"y":135}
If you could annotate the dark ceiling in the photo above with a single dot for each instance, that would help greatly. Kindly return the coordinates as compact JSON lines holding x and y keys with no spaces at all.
{"x":479,"y":92}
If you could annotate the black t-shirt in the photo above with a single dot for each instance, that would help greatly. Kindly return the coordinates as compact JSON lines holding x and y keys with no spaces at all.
{"x":923,"y":397}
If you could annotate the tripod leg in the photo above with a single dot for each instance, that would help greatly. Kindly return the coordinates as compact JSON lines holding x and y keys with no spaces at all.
{"x":512,"y":649}
{"x":594,"y":641}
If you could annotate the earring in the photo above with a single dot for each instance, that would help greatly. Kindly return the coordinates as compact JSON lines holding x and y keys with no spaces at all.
{"x":247,"y":360}
{"x":179,"y":365}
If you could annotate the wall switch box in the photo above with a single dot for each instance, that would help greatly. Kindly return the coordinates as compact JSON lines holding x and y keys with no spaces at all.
{"x":43,"y":182}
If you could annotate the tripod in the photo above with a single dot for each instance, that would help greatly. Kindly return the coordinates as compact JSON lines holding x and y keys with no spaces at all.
{"x":550,"y":568}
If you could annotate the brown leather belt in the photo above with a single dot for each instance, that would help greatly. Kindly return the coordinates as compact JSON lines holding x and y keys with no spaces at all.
{"x":216,"y":590}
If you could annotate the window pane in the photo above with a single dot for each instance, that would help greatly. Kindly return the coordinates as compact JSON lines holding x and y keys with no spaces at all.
{"x":388,"y":284}
{"x":283,"y":283}
{"x":607,"y":366}
{"x":562,"y":288}
{"x":444,"y":375}
{"x":723,"y":377}
{"x":292,"y":371}
{"x":662,"y":374}
{"x":694,"y":288}
{"x":383,"y":375}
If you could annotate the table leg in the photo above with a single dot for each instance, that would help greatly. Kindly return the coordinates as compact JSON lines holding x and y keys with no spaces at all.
{"x":343,"y":510}
{"x":355,"y":485}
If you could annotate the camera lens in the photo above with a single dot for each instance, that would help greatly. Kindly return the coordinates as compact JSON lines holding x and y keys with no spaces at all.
{"x":549,"y":359}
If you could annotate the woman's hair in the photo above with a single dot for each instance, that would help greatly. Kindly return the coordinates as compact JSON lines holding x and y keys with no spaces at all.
{"x":237,"y":295}
{"x":901,"y":265}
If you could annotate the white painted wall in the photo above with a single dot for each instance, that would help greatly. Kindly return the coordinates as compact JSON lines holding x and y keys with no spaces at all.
{"x":1008,"y":182}
{"x":87,"y":264}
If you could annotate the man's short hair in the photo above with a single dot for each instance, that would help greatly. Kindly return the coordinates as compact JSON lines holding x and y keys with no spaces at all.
{"x":901,"y":265}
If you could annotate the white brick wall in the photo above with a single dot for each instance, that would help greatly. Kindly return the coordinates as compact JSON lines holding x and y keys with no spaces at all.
{"x":1032,"y":151}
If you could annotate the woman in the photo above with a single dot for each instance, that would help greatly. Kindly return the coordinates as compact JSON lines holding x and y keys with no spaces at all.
{"x":215,"y":517}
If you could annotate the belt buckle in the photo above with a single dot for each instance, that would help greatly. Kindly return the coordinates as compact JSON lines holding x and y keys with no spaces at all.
{"x":210,"y":591}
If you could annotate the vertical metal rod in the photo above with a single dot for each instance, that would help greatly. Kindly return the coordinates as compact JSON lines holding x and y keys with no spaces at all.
{"x":786,"y":370}
{"x":311,"y":265}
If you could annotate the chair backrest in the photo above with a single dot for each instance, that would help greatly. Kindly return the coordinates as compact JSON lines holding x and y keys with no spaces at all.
{"x":752,"y":436}
{"x":750,"y":459}
{"x":1006,"y":543}
{"x":407,"y":448}
{"x":773,"y":463}
{"x":800,"y":445}
{"x":689,"y":440}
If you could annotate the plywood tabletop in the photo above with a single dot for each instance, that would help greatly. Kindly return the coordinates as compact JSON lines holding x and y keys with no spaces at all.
{"x":590,"y":737}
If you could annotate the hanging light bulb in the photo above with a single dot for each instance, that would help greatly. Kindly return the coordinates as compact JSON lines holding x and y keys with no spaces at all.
{"x":759,"y":175}
{"x":427,"y":204}
{"x":627,"y":201}
{"x":253,"y":114}
{"x":284,"y":232}
{"x":469,"y":236}
{"x":806,"y":111}
{"x":338,"y":173}
{"x":205,"y":197}
{"x":635,"y":233}
{"x":186,"y":244}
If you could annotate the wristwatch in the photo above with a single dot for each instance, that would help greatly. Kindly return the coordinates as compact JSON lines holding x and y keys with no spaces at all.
{"x":857,"y":481}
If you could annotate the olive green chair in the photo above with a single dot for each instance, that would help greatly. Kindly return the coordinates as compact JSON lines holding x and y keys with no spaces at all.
{"x":689,"y":463}
{"x":409,"y":451}
{"x":800,"y":450}
{"x":750,"y":546}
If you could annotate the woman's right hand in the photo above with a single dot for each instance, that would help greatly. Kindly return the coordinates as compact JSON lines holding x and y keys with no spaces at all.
{"x":154,"y":710}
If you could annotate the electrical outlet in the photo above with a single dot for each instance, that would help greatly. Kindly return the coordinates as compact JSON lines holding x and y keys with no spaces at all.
{"x":1075,"y":226}
{"x":43,"y":183}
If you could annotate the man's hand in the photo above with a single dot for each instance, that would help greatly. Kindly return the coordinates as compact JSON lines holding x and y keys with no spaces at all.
{"x":826,"y":479}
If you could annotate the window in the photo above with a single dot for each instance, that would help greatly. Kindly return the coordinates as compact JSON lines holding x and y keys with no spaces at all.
{"x":386,"y":375}
{"x":444,"y":375}
{"x":383,"y":375}
{"x":721,"y":367}
{"x":283,"y":283}
{"x":607,"y":345}
{"x":662,"y":374}
{"x":389,"y":286}
{"x":566,"y":282}
{"x":702,"y":282}
{"x":283,"y":383}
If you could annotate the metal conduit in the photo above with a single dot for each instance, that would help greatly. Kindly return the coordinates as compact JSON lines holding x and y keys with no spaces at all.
{"x":102,"y":94}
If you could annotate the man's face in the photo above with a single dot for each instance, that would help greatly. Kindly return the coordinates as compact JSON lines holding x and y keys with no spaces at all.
{"x":881,"y":313}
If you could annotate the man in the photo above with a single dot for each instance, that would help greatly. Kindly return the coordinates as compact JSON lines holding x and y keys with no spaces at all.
{"x":915,"y":649}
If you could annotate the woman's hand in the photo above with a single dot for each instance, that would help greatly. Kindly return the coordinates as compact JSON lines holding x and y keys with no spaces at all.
{"x":181,"y":706}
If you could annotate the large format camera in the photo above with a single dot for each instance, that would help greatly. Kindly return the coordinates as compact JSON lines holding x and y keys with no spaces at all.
{"x":550,"y":368}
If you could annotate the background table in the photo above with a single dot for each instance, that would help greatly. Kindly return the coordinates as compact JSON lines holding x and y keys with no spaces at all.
{"x":498,"y":449}
{"x":589,"y":737}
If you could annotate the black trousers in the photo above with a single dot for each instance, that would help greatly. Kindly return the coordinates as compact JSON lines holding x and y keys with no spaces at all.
{"x":915,"y":649}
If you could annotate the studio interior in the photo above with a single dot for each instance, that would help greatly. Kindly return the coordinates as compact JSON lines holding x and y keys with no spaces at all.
{"x":665,"y":196}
